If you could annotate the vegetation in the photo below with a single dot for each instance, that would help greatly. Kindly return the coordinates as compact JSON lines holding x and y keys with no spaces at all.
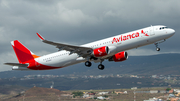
{"x":168,"y":89}
{"x":78,"y":93}
{"x":105,"y":96}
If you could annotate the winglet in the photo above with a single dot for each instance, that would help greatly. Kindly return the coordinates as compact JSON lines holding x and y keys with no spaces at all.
{"x":42,"y":39}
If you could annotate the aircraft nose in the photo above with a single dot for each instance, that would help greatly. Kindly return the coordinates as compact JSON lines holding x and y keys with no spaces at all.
{"x":172,"y":31}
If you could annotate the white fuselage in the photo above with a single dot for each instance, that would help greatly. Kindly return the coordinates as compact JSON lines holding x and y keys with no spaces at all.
{"x":121,"y":42}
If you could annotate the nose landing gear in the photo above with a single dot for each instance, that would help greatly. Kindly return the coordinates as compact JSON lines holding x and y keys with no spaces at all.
{"x":156,"y":44}
{"x":157,"y":48}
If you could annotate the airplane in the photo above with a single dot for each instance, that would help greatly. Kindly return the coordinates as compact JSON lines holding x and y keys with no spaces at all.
{"x":112,"y":49}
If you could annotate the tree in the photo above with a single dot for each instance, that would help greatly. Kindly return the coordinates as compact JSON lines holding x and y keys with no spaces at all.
{"x":168,"y":89}
{"x":91,"y":92}
{"x":78,"y":93}
{"x":105,"y":96}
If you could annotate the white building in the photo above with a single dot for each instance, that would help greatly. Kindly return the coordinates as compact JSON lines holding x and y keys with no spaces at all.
{"x":103,"y":93}
{"x":153,"y":91}
{"x":177,"y":90}
{"x":85,"y":95}
{"x":101,"y":98}
{"x":133,"y":88}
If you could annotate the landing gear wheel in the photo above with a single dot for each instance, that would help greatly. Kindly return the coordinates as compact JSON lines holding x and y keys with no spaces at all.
{"x":88,"y":64}
{"x":158,"y":49}
{"x":100,"y":66}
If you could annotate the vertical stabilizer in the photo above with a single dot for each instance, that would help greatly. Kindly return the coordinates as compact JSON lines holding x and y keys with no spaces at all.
{"x":23,"y":54}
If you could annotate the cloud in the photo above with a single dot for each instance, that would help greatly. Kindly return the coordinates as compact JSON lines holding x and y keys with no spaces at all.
{"x":82,"y":21}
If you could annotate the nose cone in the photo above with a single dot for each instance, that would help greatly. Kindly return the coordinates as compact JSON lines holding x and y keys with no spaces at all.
{"x":171,"y":31}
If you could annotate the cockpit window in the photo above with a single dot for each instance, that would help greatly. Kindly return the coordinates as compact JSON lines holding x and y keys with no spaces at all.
{"x":163,"y":28}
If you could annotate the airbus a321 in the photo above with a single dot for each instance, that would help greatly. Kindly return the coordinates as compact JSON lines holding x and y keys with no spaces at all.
{"x":112,"y":49}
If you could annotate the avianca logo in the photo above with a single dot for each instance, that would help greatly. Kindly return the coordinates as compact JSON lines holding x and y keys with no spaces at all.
{"x":144,"y":33}
{"x":127,"y":37}
{"x":99,"y":52}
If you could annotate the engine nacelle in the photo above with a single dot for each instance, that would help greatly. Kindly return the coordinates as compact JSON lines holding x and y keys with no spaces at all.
{"x":121,"y":56}
{"x":102,"y":51}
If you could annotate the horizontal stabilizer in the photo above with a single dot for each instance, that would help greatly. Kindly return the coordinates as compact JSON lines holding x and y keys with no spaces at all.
{"x":16,"y":64}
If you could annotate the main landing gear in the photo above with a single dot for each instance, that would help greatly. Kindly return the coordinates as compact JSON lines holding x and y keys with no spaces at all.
{"x":156,"y":44}
{"x":88,"y":64}
{"x":100,"y":66}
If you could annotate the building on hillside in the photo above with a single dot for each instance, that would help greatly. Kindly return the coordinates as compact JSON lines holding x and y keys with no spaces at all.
{"x":153,"y":99}
{"x":91,"y":95}
{"x":118,"y":92}
{"x":154,"y":76}
{"x":101,"y":98}
{"x":134,"y":88}
{"x":178,"y":94}
{"x":176,"y":90}
{"x":153,"y":91}
{"x":103,"y":93}
{"x":85,"y":95}
{"x":171,"y":91}
{"x":173,"y":99}
{"x":171,"y":95}
{"x":125,"y":92}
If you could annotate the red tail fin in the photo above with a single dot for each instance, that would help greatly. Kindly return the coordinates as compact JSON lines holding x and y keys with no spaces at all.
{"x":23,"y":54}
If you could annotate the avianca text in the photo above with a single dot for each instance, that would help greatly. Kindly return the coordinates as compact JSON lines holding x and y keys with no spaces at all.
{"x":125,"y":37}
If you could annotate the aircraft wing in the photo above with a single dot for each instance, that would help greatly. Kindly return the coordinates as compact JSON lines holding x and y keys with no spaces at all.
{"x":82,"y":51}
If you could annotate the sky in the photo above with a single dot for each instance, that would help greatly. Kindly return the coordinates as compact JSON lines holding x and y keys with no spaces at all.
{"x":79,"y":22}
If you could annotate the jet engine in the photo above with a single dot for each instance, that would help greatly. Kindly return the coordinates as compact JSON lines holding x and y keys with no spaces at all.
{"x":103,"y":51}
{"x":121,"y":56}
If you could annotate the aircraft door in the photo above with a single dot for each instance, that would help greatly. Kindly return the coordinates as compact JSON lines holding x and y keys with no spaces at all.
{"x":151,"y":31}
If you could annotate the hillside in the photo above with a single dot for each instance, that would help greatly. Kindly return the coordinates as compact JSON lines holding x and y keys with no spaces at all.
{"x":7,"y":91}
{"x":37,"y":94}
